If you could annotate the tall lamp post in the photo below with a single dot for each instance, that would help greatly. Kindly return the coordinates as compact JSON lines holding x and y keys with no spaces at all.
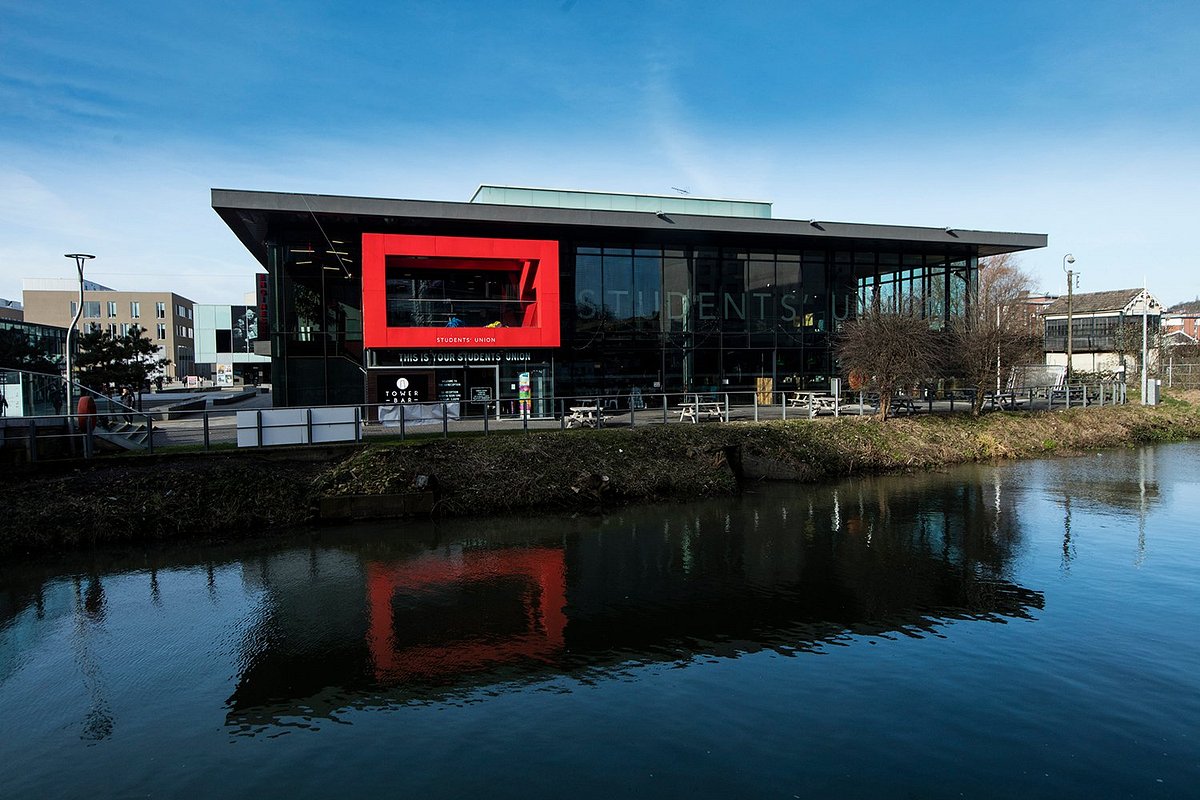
{"x":79,"y":259}
{"x":1071,"y":277}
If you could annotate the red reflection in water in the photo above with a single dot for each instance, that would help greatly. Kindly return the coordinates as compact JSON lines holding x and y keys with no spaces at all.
{"x":439,"y":616}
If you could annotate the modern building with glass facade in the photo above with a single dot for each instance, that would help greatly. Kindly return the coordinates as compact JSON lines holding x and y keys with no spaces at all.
{"x":226,"y":338}
{"x":587,"y":293}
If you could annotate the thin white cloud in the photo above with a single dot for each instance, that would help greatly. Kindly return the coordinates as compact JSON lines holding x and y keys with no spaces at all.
{"x":147,"y":215}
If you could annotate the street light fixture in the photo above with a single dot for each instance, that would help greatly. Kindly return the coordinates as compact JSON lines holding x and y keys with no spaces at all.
{"x":79,"y":259}
{"x":1069,"y":259}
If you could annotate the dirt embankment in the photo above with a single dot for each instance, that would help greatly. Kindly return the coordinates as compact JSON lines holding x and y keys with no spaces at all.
{"x":237,"y":494}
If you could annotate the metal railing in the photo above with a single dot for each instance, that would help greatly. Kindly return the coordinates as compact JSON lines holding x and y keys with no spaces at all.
{"x":40,"y":424}
{"x":211,"y":428}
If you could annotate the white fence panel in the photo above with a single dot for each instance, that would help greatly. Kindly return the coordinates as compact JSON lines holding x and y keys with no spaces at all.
{"x":298,"y":426}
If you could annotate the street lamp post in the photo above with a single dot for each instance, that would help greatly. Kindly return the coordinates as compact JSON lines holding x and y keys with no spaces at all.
{"x":1069,"y":259}
{"x":79,"y":259}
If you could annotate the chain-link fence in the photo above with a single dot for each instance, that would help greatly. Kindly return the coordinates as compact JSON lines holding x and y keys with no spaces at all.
{"x":1180,"y":375}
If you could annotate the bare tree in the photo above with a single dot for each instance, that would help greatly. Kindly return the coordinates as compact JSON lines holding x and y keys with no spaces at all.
{"x":885,"y":350}
{"x":994,"y":334}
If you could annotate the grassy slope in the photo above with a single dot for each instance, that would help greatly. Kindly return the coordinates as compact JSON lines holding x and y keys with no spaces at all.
{"x":227,"y":494}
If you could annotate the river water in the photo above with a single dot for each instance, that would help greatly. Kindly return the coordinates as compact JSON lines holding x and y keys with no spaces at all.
{"x":1027,"y":630}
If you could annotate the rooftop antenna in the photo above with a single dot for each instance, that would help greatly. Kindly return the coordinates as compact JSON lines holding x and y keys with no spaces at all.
{"x":681,"y":191}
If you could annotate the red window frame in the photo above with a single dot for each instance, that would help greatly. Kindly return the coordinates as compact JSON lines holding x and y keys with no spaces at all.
{"x":538,"y":259}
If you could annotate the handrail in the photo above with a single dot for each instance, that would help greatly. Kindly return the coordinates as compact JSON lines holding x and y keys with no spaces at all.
{"x":208,"y":428}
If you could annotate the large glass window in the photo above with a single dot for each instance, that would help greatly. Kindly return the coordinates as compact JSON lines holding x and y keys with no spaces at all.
{"x":421,"y":294}
{"x":676,"y":291}
{"x":960,"y":284}
{"x":935,"y":296}
{"x":706,"y":295}
{"x":790,"y":295}
{"x":814,"y":314}
{"x":647,"y":288}
{"x":91,"y":309}
{"x":589,"y":288}
{"x":731,"y":300}
{"x":762,"y":308}
{"x":618,"y":287}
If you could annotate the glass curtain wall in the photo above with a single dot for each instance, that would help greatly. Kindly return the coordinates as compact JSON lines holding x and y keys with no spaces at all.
{"x":709,"y":319}
{"x":637,"y":316}
{"x":316,"y":328}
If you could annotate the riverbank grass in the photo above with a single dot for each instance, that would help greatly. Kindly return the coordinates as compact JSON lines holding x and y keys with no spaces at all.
{"x":245,"y":493}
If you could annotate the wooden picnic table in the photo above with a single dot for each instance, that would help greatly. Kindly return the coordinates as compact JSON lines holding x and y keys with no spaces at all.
{"x":815,"y":402}
{"x":695,"y":409}
{"x":584,"y":417}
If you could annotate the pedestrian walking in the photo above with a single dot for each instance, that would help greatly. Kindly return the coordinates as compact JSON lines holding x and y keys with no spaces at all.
{"x":127,"y":402}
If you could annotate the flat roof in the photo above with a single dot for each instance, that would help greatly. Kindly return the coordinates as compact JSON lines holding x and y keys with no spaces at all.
{"x":249,"y":215}
{"x":687,"y":196}
{"x":686,"y":203}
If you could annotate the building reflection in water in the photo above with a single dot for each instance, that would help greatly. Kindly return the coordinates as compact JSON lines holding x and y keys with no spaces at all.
{"x":381,"y":618}
{"x":463,"y":610}
{"x":1113,"y":483}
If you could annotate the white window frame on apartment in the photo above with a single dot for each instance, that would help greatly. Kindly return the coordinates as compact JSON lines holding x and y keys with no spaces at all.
{"x":135,"y":308}
{"x":160,"y":310}
{"x":112,"y":309}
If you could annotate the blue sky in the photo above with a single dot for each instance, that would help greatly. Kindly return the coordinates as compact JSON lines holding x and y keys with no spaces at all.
{"x":1075,"y":119}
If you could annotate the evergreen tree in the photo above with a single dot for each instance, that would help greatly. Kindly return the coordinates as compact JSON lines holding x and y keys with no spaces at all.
{"x":128,"y":360}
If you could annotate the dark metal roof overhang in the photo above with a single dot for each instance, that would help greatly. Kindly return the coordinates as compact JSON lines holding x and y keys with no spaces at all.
{"x":257,"y":216}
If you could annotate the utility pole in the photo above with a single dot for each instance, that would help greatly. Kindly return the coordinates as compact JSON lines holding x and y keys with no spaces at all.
{"x":1069,"y":259}
{"x":1145,"y":346}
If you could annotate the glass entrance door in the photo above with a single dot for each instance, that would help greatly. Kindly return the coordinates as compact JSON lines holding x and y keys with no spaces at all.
{"x":482,"y":390}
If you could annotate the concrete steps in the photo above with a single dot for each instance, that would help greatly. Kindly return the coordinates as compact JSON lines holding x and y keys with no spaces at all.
{"x":127,"y":436}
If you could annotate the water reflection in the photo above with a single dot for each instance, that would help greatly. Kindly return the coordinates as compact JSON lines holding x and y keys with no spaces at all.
{"x":387,"y":615}
{"x":89,"y":615}
{"x":725,"y":648}
{"x":1122,"y":484}
{"x":375,"y":621}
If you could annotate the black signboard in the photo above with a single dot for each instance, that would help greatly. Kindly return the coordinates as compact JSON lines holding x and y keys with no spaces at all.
{"x":481,"y":394}
{"x":449,"y":390}
{"x":402,"y":389}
